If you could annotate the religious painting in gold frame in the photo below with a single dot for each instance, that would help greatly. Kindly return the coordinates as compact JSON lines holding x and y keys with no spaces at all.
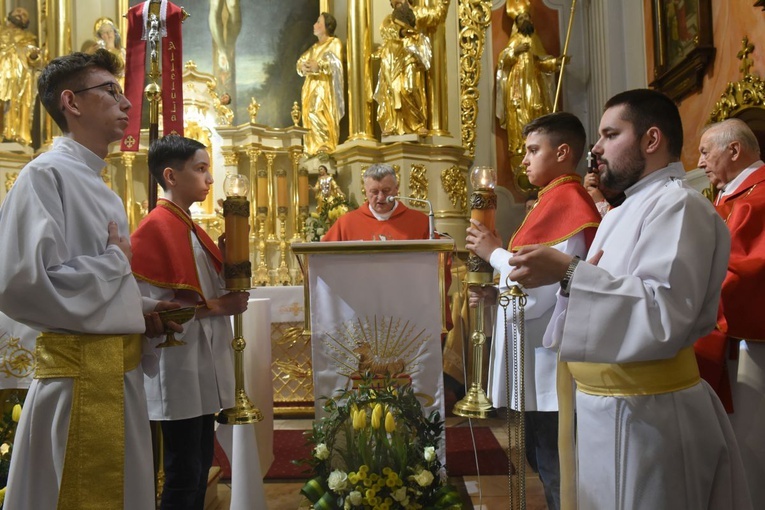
{"x":683,"y":46}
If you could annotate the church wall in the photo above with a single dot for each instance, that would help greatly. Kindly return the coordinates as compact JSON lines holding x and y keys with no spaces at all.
{"x":732,"y":20}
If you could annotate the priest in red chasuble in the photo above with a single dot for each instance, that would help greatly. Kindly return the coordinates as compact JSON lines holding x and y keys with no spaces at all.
{"x":564,"y":217}
{"x":378,"y":219}
{"x":732,"y":357}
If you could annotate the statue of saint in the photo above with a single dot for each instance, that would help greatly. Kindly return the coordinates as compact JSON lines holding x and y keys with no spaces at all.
{"x":225,"y":21}
{"x":525,"y":75}
{"x":108,"y":37}
{"x":322,"y":94}
{"x":19,"y":60}
{"x":405,"y":56}
{"x":325,"y":188}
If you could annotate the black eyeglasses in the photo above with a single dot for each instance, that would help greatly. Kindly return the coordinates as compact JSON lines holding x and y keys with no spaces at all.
{"x":114,"y":90}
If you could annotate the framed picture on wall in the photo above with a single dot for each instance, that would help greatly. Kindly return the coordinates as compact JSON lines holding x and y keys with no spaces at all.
{"x":683,"y":46}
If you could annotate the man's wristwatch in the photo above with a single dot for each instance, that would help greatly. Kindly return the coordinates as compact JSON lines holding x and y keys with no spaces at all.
{"x":565,"y":283}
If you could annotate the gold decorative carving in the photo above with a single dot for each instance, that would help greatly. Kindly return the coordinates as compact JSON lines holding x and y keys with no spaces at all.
{"x":15,"y":360}
{"x":230,"y":158}
{"x":238,"y":270}
{"x":236,"y":206}
{"x":225,"y":116}
{"x":482,"y":200}
{"x":474,"y":17}
{"x":455,"y":185}
{"x":418,"y":184}
{"x":252,"y":109}
{"x":295,"y":113}
{"x":749,"y":92}
{"x":10,"y":180}
{"x":106,"y":177}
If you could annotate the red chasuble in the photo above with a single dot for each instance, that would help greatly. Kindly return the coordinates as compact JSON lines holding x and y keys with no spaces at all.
{"x":742,"y":299}
{"x":361,"y":225}
{"x":563,"y":209}
{"x":163,"y":254}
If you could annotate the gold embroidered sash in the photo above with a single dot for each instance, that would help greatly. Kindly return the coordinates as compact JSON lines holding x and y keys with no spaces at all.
{"x":612,"y":380}
{"x":93,"y":476}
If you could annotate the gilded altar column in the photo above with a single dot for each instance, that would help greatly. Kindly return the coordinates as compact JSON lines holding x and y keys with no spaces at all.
{"x":253,"y":154}
{"x":299,"y":193}
{"x":127,"y":163}
{"x":270,"y":156}
{"x":359,"y":50}
{"x":437,"y":90}
{"x":55,"y":38}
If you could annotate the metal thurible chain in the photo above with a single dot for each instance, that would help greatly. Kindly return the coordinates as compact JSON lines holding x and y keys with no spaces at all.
{"x":516,"y":425}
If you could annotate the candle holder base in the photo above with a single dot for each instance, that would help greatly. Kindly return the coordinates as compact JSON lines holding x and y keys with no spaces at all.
{"x":283,"y":275}
{"x":261,"y":275}
{"x":243,"y":412}
{"x":475,"y":404}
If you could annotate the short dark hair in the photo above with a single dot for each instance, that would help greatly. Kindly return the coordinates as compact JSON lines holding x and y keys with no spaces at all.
{"x":68,"y":73}
{"x":330,"y":23}
{"x":646,"y":108}
{"x":171,"y":151}
{"x":560,"y":127}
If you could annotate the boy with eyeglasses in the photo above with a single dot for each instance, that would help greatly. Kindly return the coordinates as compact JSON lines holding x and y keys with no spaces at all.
{"x":83,"y":439}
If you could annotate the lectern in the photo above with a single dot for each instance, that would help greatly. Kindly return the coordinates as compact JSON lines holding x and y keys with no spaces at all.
{"x":376,"y":306}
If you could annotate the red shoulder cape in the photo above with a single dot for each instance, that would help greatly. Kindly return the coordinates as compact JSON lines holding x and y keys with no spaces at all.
{"x":162,"y":251}
{"x":563,"y":209}
{"x":742,"y":298}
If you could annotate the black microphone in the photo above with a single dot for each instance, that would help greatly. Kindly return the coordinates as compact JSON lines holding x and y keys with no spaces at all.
{"x":431,"y":217}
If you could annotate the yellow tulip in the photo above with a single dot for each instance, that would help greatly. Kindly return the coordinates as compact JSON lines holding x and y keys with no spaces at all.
{"x":377,"y":415}
{"x":16,"y":414}
{"x":390,"y":423}
{"x":361,"y":419}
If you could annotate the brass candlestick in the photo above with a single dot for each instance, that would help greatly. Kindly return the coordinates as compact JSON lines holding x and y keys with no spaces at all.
{"x":483,"y":205}
{"x":283,"y":273}
{"x":261,"y":274}
{"x":237,"y":271}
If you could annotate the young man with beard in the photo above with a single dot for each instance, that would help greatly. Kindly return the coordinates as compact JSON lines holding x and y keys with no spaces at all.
{"x":564,"y":217}
{"x":650,"y":434}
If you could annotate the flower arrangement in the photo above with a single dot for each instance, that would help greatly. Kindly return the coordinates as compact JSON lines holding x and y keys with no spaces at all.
{"x":376,"y":451}
{"x":10,"y":419}
{"x":318,"y":223}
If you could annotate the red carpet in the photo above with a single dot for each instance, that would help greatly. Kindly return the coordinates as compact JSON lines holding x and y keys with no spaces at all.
{"x":460,"y":459}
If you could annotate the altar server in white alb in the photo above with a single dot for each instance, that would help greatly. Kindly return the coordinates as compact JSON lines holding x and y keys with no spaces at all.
{"x":83,"y":440}
{"x":650,"y":433}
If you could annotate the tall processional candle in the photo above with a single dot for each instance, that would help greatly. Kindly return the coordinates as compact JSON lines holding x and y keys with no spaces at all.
{"x":237,"y":271}
{"x":262,"y":198}
{"x":483,"y":208}
{"x":282,"y":194}
{"x":302,"y":188}
{"x":236,"y":214}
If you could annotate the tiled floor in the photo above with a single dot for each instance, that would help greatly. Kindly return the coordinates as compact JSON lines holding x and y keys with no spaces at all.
{"x":484,"y":493}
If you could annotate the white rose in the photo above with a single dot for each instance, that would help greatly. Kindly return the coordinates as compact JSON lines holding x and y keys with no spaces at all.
{"x":423,"y":478}
{"x":429,"y":453}
{"x":321,"y":451}
{"x":399,"y":494}
{"x":338,"y":480}
{"x":355,"y":498}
